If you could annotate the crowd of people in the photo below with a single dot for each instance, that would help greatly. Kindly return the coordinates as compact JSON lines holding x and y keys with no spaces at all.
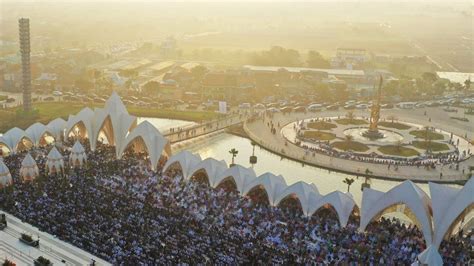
{"x":123,"y":212}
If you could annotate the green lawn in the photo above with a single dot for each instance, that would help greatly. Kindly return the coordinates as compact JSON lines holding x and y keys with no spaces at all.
{"x":395,"y":125}
{"x":398,"y":151}
{"x":347,"y":121}
{"x":420,"y":134}
{"x":321,"y":125}
{"x":48,"y":111}
{"x":3,"y":98}
{"x":353,"y":146}
{"x":435,"y":146}
{"x":318,"y":135}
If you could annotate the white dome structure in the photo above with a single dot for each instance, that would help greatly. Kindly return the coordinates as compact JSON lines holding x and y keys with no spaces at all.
{"x":78,"y":156}
{"x":16,"y":139}
{"x":450,"y":205}
{"x":343,"y":204}
{"x":37,"y":132}
{"x":29,"y":170}
{"x":307,"y":195}
{"x":211,"y":167}
{"x":54,"y":162}
{"x":185,"y":160}
{"x":145,"y":137}
{"x":272,"y":184}
{"x":241,"y":176}
{"x":57,"y":127}
{"x":406,"y":198}
{"x":5,"y":176}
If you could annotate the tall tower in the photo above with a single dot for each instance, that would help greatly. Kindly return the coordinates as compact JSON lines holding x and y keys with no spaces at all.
{"x":24,"y":24}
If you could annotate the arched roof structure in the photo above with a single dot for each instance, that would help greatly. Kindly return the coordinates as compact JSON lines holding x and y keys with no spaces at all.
{"x":376,"y":203}
{"x":84,"y":117}
{"x":56,"y":127}
{"x":343,"y":204}
{"x":5,"y":176}
{"x":450,"y":205}
{"x":13,"y":138}
{"x":78,"y":155}
{"x":151,"y":140}
{"x":186,"y":160}
{"x":36,"y":132}
{"x":241,"y":176}
{"x":272,"y":184}
{"x":307,"y":194}
{"x":29,"y":169}
{"x":54,"y":162}
{"x":211,"y":166}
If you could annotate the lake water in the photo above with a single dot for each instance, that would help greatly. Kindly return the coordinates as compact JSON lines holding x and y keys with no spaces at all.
{"x":218,"y":146}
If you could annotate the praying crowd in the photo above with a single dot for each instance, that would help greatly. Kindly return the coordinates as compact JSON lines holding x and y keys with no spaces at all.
{"x":123,"y":212}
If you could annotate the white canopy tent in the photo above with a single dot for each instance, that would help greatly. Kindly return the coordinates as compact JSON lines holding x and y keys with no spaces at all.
{"x":37,"y":132}
{"x":239,"y":174}
{"x":145,"y":137}
{"x":406,"y":198}
{"x":343,"y":204}
{"x":186,"y":160}
{"x":54,"y":162}
{"x":272,"y":184}
{"x":5,"y":176}
{"x":16,"y":139}
{"x":80,"y":124}
{"x":307,"y":195}
{"x":78,"y":156}
{"x":211,"y":167}
{"x":29,"y":170}
{"x":56,"y":127}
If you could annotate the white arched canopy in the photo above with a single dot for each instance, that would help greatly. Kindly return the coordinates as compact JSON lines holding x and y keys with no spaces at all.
{"x":57,"y":127}
{"x":5,"y":176}
{"x":307,"y":195}
{"x":16,"y":139}
{"x":145,"y":137}
{"x":186,"y":160}
{"x":78,"y":156}
{"x":240,"y":175}
{"x":272,"y":184}
{"x":54,"y":162}
{"x":343,"y":204}
{"x":80,"y":125}
{"x":29,"y":170}
{"x":37,"y":132}
{"x":406,"y":197}
{"x":211,"y":167}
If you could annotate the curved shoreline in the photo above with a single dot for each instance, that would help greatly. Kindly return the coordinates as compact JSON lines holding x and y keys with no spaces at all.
{"x":457,"y":180}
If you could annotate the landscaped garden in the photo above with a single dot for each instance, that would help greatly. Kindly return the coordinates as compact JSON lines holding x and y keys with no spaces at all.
{"x":427,"y":134}
{"x":349,"y":121}
{"x":397,"y":150}
{"x":321,"y":125}
{"x":395,"y":125}
{"x":434,"y":146}
{"x":318,"y":135}
{"x":350,"y":146}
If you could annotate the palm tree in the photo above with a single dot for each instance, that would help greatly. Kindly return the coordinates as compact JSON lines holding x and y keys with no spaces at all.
{"x":348,"y":138}
{"x":349,"y":182}
{"x":234,"y":153}
{"x":392,"y":118}
{"x":399,"y":145}
{"x":253,"y":158}
{"x":350,"y":115}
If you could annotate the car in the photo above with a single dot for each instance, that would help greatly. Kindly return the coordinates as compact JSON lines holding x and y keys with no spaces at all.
{"x":315,"y":107}
{"x":10,"y":100}
{"x":57,"y":93}
{"x":244,"y":106}
{"x":332,"y":107}
{"x":299,"y":109}
{"x":48,"y":99}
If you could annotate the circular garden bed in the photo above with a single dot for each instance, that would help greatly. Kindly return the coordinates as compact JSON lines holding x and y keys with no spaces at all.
{"x":398,"y":151}
{"x":350,"y":146}
{"x":318,"y":135}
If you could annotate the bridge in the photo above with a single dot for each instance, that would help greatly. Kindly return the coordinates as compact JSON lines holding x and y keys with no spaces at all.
{"x":178,"y":134}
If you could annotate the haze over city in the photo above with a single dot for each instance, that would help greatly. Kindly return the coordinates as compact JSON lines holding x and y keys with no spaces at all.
{"x":236,"y":132}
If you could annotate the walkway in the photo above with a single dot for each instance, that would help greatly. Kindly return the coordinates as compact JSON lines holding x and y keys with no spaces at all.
{"x":57,"y":251}
{"x":185,"y":133}
{"x":260,"y":133}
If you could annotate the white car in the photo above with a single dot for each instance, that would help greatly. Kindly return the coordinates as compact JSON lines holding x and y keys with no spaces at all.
{"x":57,"y":93}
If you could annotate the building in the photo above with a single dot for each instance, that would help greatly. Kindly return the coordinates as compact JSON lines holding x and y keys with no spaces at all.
{"x":24,"y":25}
{"x":228,"y":86}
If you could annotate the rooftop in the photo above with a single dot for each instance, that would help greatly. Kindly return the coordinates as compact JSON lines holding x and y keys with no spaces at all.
{"x":329,"y":71}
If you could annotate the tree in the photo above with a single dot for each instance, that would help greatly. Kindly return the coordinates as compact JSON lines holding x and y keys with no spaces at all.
{"x":348,"y":138}
{"x":348,"y":182}
{"x":399,"y":145}
{"x":277,"y":56}
{"x":467,"y":84}
{"x":151,"y":87}
{"x":350,"y":115}
{"x":234,"y":153}
{"x":316,"y":60}
{"x":392,"y":118}
{"x":199,"y":71}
